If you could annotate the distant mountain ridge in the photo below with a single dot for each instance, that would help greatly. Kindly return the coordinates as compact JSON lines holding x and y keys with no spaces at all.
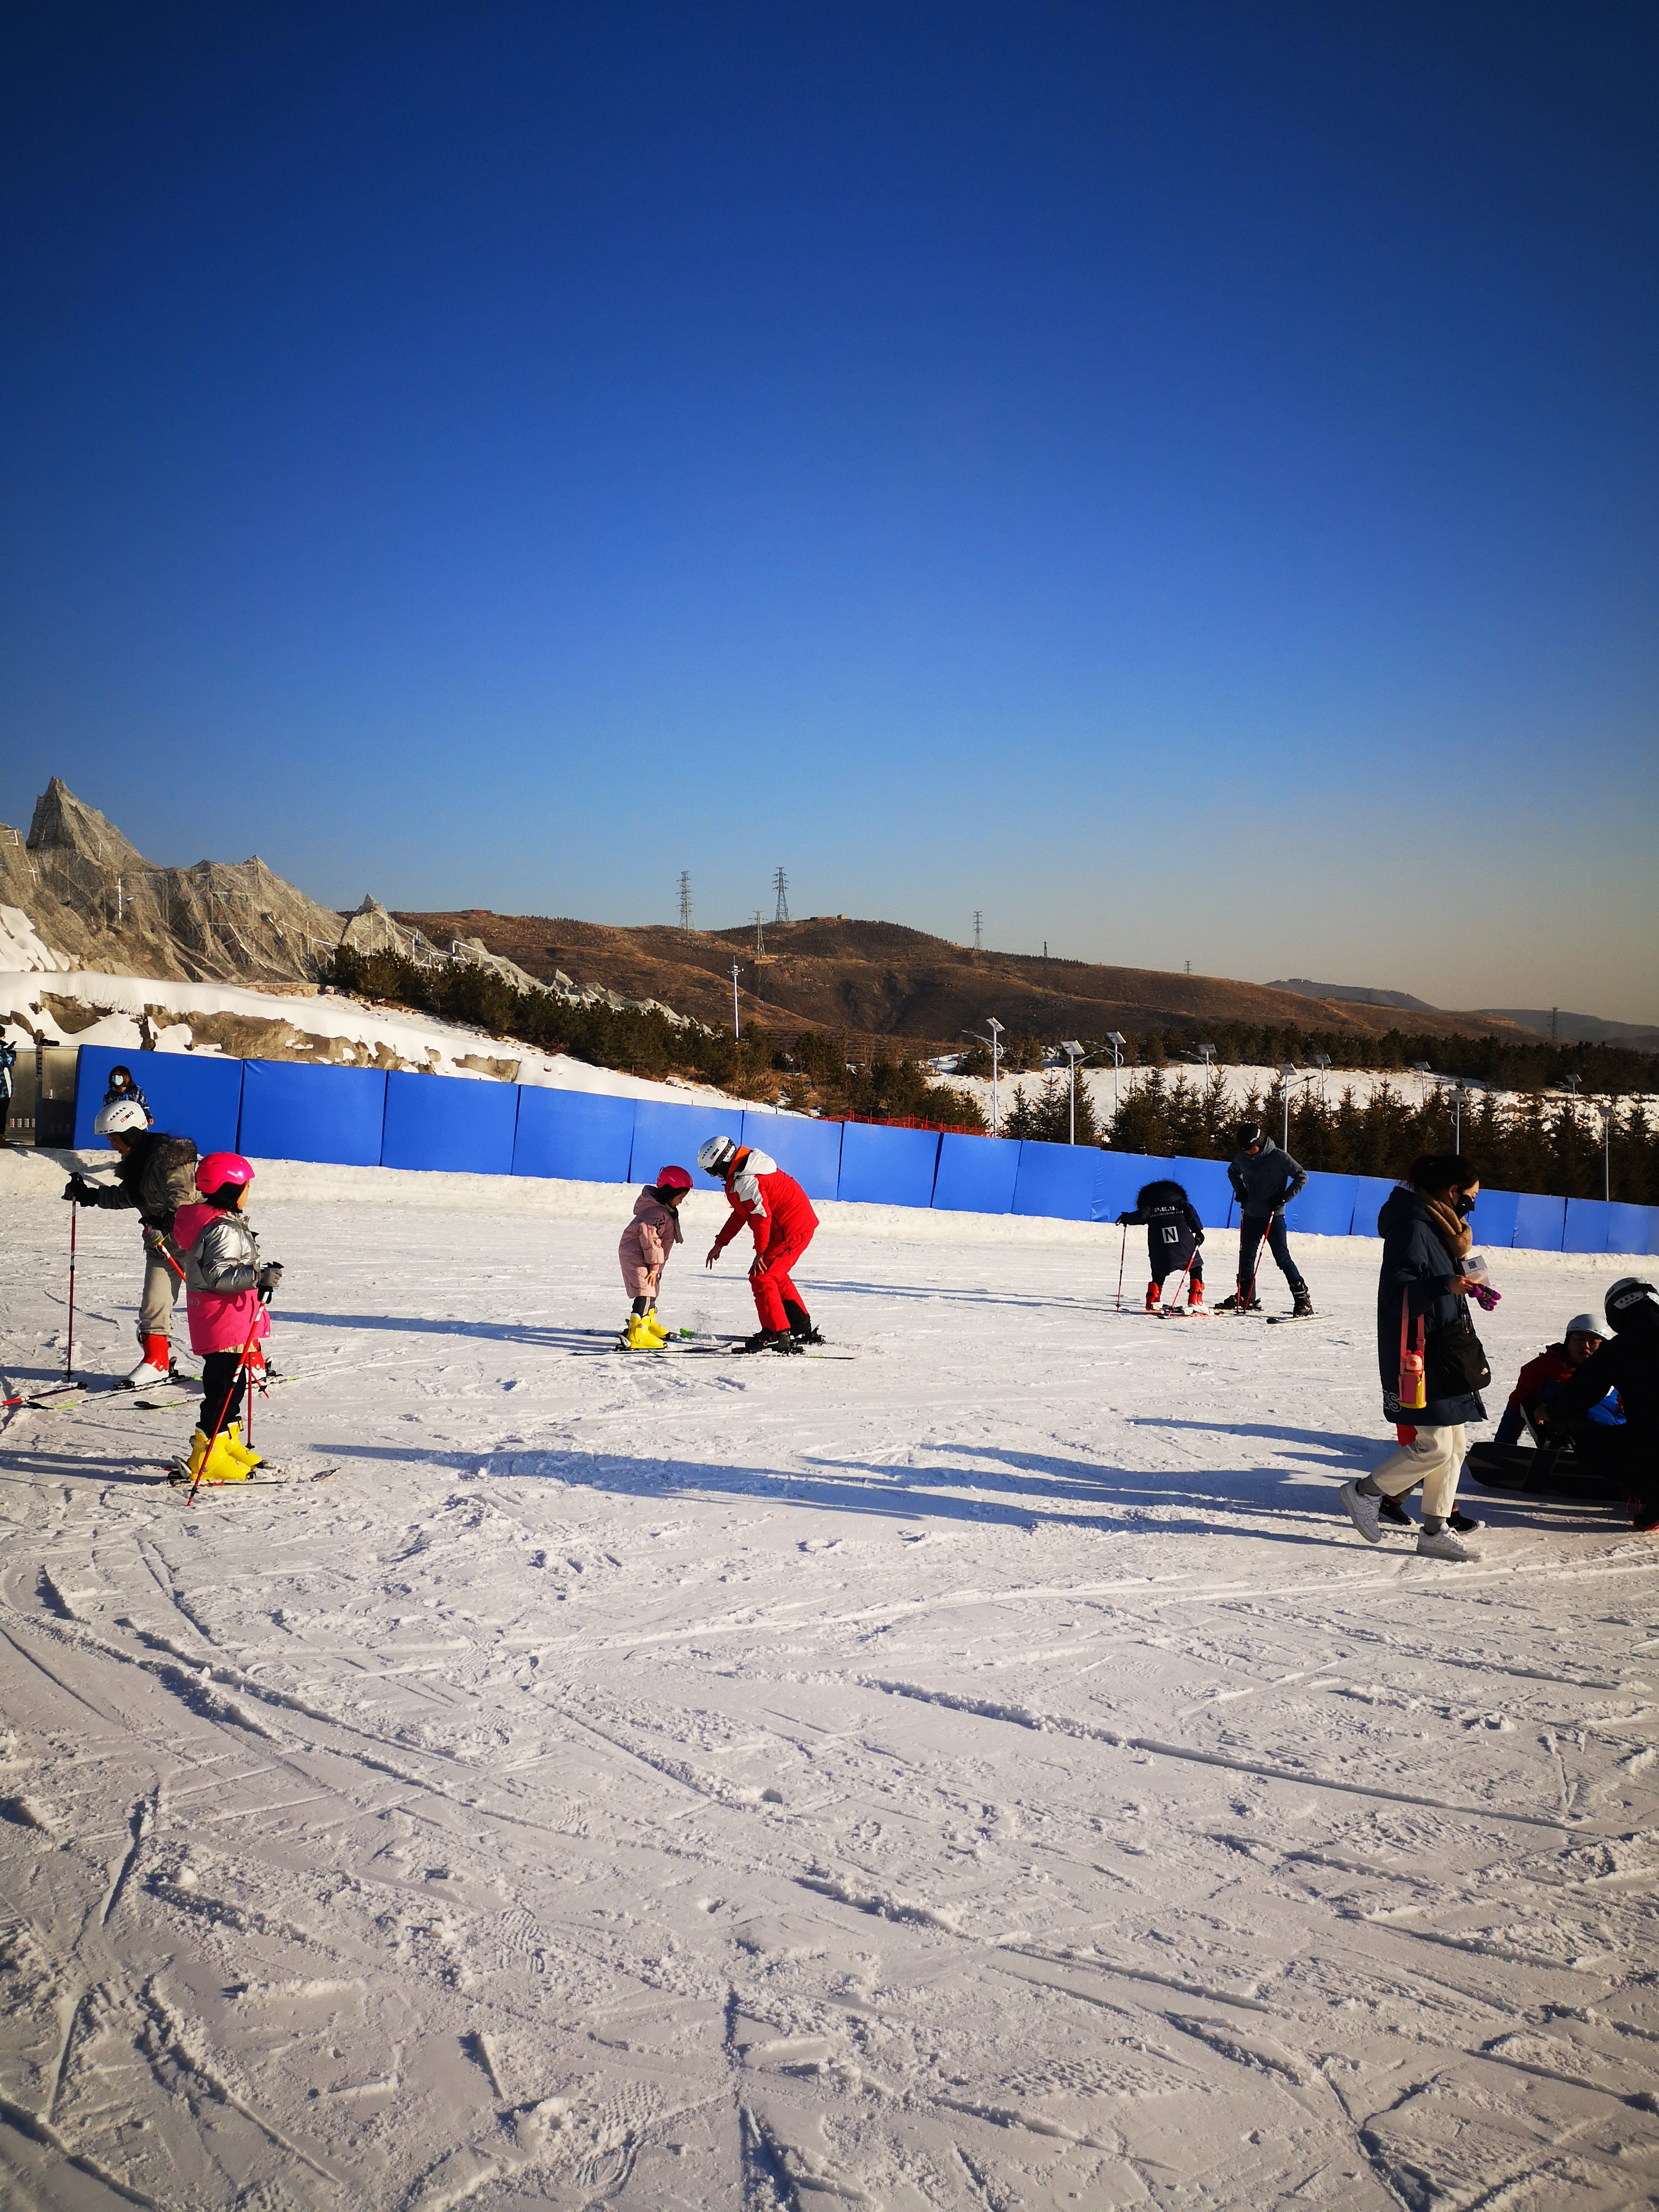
{"x":1548,"y":1021}
{"x":1359,"y":995}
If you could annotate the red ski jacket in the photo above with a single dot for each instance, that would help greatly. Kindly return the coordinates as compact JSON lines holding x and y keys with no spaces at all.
{"x":776,"y":1207}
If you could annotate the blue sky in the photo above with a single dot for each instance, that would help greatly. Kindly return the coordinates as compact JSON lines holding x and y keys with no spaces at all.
{"x":1180,"y":480}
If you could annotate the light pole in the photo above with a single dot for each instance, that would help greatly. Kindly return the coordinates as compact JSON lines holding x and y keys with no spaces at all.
{"x":1321,"y":1061}
{"x":1116,"y":1039}
{"x":1607,"y":1150}
{"x":737,"y":1020}
{"x":1074,"y":1052}
{"x":1420,"y":1069}
{"x":995,"y":1028}
{"x":1287,"y":1076}
{"x":1459,"y":1086}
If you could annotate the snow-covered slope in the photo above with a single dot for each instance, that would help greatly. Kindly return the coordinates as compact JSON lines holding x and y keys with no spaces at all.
{"x":986,"y":1771}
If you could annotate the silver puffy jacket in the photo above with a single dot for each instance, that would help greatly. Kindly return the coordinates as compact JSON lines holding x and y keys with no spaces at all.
{"x":225,"y":1257}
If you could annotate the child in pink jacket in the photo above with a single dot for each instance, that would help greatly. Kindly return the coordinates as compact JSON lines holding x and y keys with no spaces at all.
{"x":647,"y":1241}
{"x":228,"y":1289}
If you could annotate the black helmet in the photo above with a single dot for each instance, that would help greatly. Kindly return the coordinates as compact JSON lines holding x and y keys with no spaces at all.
{"x":1249,"y":1133}
{"x":1628,"y":1295}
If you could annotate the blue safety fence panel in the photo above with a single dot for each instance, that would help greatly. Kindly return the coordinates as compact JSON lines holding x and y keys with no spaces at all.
{"x":448,"y":1123}
{"x":1631,"y":1228}
{"x":810,"y":1151}
{"x":668,"y":1136}
{"x":1494,"y":1218}
{"x":1206,"y":1184}
{"x":1056,"y":1180}
{"x":1323,"y":1206}
{"x":975,"y":1174}
{"x":1587,"y":1226}
{"x":190,"y":1095}
{"x":1370,"y":1193}
{"x":887,"y":1167}
{"x":1652,"y":1233}
{"x":1118,"y":1176}
{"x":333,"y":1116}
{"x":1540,"y":1223}
{"x":580,"y":1136}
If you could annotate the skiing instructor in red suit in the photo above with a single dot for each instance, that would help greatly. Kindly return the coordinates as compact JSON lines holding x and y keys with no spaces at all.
{"x":780,"y":1216}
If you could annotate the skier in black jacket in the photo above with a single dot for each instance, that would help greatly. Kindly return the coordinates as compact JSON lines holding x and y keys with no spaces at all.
{"x":1174,"y":1233}
{"x":1629,"y":1364}
{"x":1265,"y":1179}
{"x":156,"y":1176}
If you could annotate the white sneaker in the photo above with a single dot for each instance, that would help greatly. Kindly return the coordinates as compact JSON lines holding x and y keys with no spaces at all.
{"x":1365,"y":1513}
{"x":1444,"y":1544}
{"x":143,"y":1377}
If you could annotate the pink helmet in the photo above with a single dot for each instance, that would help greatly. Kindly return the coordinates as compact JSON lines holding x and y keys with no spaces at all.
{"x":673,"y":1179}
{"x":219,"y":1168}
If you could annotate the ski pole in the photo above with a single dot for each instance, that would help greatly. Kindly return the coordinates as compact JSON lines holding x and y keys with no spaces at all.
{"x":224,"y":1409}
{"x":1122,"y":1245}
{"x":68,"y":1355}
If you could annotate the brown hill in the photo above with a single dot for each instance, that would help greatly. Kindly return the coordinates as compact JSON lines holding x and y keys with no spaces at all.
{"x":879,"y":979}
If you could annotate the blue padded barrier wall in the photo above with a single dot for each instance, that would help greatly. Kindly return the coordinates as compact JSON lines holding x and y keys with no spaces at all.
{"x":810,"y":1151}
{"x":1118,"y":1176}
{"x":1494,"y":1218}
{"x":580,"y":1136}
{"x":1587,"y":1226}
{"x":1205,"y":1182}
{"x":1652,"y":1233}
{"x":668,"y":1136}
{"x":446,"y":1121}
{"x":1369,"y":1193}
{"x":1630,"y":1228}
{"x":1056,"y":1180}
{"x":334,"y":1116}
{"x":1324,"y":1206}
{"x":191,"y":1094}
{"x":887,"y":1167}
{"x":975,"y":1174}
{"x":1540,"y":1223}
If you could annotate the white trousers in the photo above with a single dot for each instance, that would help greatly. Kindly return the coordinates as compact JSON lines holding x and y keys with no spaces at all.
{"x":1434,"y":1458}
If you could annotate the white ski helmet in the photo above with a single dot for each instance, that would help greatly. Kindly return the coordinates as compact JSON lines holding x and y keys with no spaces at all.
{"x":121,"y":1119}
{"x":1627,"y":1295}
{"x":715,"y":1154}
{"x":1583,"y":1324}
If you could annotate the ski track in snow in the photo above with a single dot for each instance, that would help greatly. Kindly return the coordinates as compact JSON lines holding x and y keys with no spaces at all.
{"x":990,"y":1773}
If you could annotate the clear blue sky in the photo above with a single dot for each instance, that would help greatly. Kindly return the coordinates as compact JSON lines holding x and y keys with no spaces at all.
{"x":1180,"y":479}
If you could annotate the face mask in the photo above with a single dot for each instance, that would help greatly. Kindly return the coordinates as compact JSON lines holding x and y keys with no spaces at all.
{"x":1464,"y":1205}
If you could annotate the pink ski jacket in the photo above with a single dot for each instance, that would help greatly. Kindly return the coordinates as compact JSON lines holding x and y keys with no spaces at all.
{"x":647,"y":1241}
{"x":221,"y":1259}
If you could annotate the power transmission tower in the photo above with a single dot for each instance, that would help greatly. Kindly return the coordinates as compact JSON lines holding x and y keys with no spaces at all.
{"x":685,"y":902}
{"x":978,"y":920}
{"x":780,"y":885}
{"x":760,"y":935}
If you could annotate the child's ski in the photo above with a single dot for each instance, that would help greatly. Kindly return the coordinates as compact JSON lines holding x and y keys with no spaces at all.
{"x":178,"y":1475}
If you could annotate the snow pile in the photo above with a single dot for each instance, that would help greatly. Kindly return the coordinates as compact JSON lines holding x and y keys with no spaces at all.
{"x":986,"y":1771}
{"x":20,"y":948}
{"x":150,"y":1014}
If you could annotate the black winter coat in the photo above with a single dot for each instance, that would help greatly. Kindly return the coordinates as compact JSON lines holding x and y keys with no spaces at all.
{"x":157,"y":1176}
{"x":1417,"y":1268}
{"x":1265,"y":1179}
{"x":1174,"y":1232}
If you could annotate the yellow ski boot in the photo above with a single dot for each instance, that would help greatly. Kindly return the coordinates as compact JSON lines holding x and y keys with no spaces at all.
{"x":222,"y":1464}
{"x":657,"y":1329}
{"x":640,"y":1336}
{"x":232,"y":1438}
{"x":199,"y":1452}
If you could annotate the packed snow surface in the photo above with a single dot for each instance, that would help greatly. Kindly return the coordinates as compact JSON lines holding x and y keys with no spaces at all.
{"x":986,"y":1771}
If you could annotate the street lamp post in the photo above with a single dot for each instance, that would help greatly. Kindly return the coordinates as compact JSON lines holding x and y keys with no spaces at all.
{"x":1321,"y":1061}
{"x":995,"y":1028}
{"x":737,"y":1019}
{"x":1287,"y":1076}
{"x":1074,"y":1052}
{"x":1116,"y":1039}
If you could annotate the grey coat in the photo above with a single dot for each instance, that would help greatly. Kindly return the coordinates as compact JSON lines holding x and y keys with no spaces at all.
{"x":1265,"y":1179}
{"x":224,"y":1258}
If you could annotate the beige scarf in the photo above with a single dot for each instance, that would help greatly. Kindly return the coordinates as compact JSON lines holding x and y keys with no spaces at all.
{"x":1455,"y":1232}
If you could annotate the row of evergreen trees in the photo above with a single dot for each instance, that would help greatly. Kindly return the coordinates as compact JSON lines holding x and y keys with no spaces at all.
{"x":1535,"y":1143}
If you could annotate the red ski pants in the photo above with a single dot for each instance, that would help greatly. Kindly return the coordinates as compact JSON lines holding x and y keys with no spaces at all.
{"x":771,"y":1288}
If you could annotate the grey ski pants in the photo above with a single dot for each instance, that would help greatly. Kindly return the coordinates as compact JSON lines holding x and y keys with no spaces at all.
{"x":159,"y":1296}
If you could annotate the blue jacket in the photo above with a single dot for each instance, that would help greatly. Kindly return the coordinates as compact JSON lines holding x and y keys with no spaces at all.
{"x":1265,"y":1179}
{"x":8,"y":1061}
{"x":1418,"y":1268}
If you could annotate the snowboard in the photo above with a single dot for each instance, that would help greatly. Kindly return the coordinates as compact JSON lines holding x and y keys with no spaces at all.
{"x":1525,"y":1472}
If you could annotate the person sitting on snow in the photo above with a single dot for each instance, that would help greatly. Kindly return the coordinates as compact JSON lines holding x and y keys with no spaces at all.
{"x":780,"y":1216}
{"x":121,"y":1085}
{"x":648,"y":1243}
{"x":1174,"y":1233}
{"x":1629,"y":1364}
{"x":1540,"y":1381}
{"x":156,"y":1176}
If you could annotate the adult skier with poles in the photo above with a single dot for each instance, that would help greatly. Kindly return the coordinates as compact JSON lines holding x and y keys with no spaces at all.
{"x":155,"y":1174}
{"x":779,"y":1215}
{"x":1265,"y":1179}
